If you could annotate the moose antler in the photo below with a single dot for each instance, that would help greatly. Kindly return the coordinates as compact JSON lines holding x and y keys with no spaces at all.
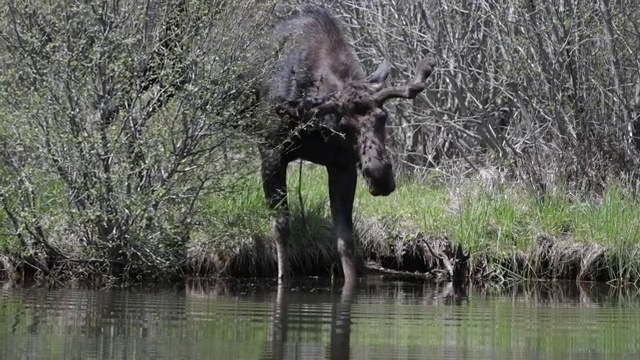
{"x":410,"y":90}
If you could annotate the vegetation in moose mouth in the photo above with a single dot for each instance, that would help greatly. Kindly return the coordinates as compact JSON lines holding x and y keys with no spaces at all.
{"x":127,"y":132}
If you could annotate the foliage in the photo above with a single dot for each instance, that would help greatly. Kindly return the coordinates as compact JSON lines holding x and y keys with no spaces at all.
{"x":119,"y":118}
{"x":115,"y":118}
{"x":547,"y":93}
{"x":502,"y":227}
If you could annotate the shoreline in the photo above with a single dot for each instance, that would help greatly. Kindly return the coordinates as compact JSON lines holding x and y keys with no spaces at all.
{"x":435,"y":260}
{"x":473,"y":231}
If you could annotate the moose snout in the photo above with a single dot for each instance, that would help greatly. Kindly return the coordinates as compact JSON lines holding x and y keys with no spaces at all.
{"x":379,"y":178}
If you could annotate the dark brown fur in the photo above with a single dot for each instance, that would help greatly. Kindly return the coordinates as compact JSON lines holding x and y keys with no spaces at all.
{"x":318,"y":79}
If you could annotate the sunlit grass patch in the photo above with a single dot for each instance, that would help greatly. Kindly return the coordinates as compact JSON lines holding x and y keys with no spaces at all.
{"x":491,"y":223}
{"x":507,"y":228}
{"x":234,"y":236}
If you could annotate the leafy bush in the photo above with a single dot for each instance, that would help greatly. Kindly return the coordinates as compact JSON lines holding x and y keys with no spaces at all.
{"x":115,"y":118}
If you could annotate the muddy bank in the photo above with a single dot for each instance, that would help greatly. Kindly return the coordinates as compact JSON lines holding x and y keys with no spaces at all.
{"x":382,"y":249}
{"x":406,"y":253}
{"x":436,"y":258}
{"x":410,"y":253}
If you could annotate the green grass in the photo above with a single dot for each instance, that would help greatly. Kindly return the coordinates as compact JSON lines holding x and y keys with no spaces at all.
{"x":236,"y":232}
{"x":498,"y":222}
{"x":500,"y":226}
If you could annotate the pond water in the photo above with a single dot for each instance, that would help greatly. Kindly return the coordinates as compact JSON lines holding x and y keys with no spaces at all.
{"x":313,"y":319}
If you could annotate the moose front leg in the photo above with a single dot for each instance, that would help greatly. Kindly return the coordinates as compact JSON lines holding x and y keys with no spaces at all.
{"x":342,"y":188}
{"x":274,"y":184}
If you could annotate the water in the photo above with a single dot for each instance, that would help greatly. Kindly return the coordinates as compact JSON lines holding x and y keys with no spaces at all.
{"x":381,"y":319}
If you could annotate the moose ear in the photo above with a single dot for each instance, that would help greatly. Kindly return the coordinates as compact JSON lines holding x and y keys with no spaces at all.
{"x":378,"y":77}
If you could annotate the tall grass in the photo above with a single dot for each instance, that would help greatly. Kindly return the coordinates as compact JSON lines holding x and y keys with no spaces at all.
{"x":234,"y":237}
{"x":593,"y":233}
{"x":498,"y":221}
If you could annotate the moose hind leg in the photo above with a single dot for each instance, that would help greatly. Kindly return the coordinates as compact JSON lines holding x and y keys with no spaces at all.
{"x":274,"y":183}
{"x":342,"y":187}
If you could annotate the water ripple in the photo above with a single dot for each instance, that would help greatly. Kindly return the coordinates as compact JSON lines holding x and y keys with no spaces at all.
{"x":315,"y":320}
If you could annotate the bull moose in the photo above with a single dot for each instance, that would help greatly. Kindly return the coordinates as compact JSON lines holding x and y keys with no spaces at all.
{"x":318,"y":80}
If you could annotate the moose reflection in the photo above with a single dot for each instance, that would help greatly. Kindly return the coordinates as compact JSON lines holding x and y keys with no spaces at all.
{"x":319,"y":83}
{"x":339,"y":344}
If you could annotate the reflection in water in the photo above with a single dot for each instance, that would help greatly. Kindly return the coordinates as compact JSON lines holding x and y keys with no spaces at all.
{"x":313,"y":319}
{"x":340,"y":331}
{"x":279,"y":323}
{"x":341,"y":324}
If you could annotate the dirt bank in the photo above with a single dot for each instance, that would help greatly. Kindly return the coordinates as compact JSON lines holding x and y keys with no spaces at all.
{"x":401,"y":252}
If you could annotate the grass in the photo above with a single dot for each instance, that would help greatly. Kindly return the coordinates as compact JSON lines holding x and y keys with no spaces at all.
{"x":235,"y":236}
{"x":506,"y":228}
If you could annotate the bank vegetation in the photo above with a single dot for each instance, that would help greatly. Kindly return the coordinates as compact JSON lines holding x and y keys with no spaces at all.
{"x":126,"y":149}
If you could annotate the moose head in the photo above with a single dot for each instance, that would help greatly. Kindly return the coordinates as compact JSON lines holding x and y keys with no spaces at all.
{"x":359,"y":106}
